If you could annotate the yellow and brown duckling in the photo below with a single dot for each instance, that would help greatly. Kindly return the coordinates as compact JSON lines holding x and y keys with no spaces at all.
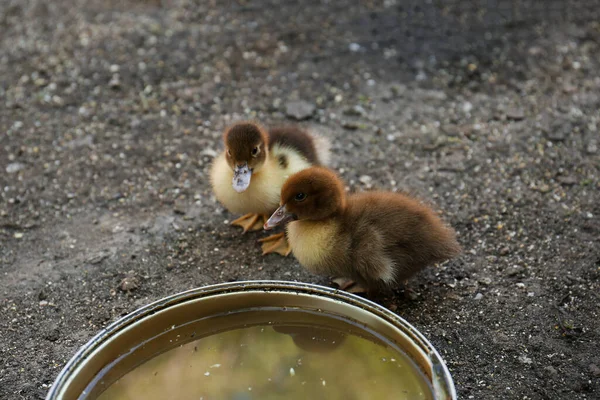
{"x":376,"y":239}
{"x":247,"y":177}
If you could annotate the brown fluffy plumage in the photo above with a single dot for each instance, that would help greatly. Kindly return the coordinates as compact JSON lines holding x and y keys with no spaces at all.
{"x":295,"y":138}
{"x":378,"y":239}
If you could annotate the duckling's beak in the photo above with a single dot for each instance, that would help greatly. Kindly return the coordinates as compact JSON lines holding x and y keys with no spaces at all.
{"x":279,"y":217}
{"x":241,"y":177}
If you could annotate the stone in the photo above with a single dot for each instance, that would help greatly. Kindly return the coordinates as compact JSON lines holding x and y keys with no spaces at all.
{"x":354,"y":47}
{"x":550,"y":370}
{"x":52,"y":334}
{"x":365,"y":179}
{"x":179,"y":207}
{"x":567,"y":180}
{"x":299,"y":110}
{"x":15,"y":167}
{"x":592,"y":147}
{"x":514,"y":270}
{"x":115,"y":82}
{"x":129,"y":283}
{"x":525,"y":360}
{"x":356,"y":111}
{"x":485,"y":281}
{"x":516,"y":114}
{"x":350,"y":125}
{"x":559,"y":130}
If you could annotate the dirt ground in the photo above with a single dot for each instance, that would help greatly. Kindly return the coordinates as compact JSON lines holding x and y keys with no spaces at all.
{"x":111,"y":112}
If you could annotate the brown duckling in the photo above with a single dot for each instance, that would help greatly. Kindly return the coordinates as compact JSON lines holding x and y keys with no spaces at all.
{"x":377,"y":239}
{"x":247,"y":177}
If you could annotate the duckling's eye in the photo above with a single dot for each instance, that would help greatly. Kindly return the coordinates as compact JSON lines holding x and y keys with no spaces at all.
{"x":255,"y":151}
{"x":300,"y":197}
{"x":229,"y":152}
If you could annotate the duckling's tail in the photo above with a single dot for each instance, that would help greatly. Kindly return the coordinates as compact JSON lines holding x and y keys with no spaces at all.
{"x":322,"y":147}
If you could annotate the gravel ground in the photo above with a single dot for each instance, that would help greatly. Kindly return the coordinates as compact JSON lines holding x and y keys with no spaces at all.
{"x":112,"y":112}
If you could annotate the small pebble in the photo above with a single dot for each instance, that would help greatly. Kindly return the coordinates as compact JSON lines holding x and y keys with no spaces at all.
{"x":551,"y":370}
{"x":504,"y":251}
{"x":559,"y":130}
{"x":525,"y":360}
{"x":350,"y":125}
{"x":57,"y":100}
{"x":478,"y":296}
{"x":356,"y":111}
{"x":84,"y":112}
{"x":567,"y":180}
{"x":516,"y":114}
{"x":354,"y":47}
{"x":365,"y":179}
{"x":128,"y":284}
{"x":299,"y":110}
{"x":514,"y":270}
{"x":485,"y":281}
{"x":14,"y":167}
{"x":209,"y":152}
{"x":115,"y":83}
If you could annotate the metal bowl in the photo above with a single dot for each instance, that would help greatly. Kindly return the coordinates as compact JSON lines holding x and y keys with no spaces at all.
{"x":123,"y":345}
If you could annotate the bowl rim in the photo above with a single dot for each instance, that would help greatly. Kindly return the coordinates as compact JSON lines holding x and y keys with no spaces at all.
{"x":438,"y":365}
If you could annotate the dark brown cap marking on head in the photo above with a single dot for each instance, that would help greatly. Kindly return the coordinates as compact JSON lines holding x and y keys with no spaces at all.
{"x":246,"y":142}
{"x":314,"y":193}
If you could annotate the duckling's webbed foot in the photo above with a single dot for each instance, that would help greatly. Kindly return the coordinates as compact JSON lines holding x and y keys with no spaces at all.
{"x":276,"y":244}
{"x":349,"y":285}
{"x":250,"y":222}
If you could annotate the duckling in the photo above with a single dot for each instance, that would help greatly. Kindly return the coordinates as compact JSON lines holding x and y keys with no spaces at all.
{"x":247,"y":177}
{"x":376,"y":239}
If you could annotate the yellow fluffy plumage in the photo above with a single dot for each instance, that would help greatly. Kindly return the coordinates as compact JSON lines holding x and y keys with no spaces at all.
{"x":312,"y":242}
{"x":262,"y":196}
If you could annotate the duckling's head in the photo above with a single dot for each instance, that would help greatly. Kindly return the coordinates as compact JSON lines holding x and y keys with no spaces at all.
{"x":246,"y":146}
{"x":315,"y":193}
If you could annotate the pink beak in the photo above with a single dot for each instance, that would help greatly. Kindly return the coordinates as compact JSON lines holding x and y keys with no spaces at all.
{"x":279,"y":217}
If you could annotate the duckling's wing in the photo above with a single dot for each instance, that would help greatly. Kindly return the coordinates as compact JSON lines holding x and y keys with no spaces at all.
{"x":371,"y":263}
{"x":412,"y":234}
{"x":314,"y":149}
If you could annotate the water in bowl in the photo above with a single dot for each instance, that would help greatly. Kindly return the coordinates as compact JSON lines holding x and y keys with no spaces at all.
{"x":272,"y":355}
